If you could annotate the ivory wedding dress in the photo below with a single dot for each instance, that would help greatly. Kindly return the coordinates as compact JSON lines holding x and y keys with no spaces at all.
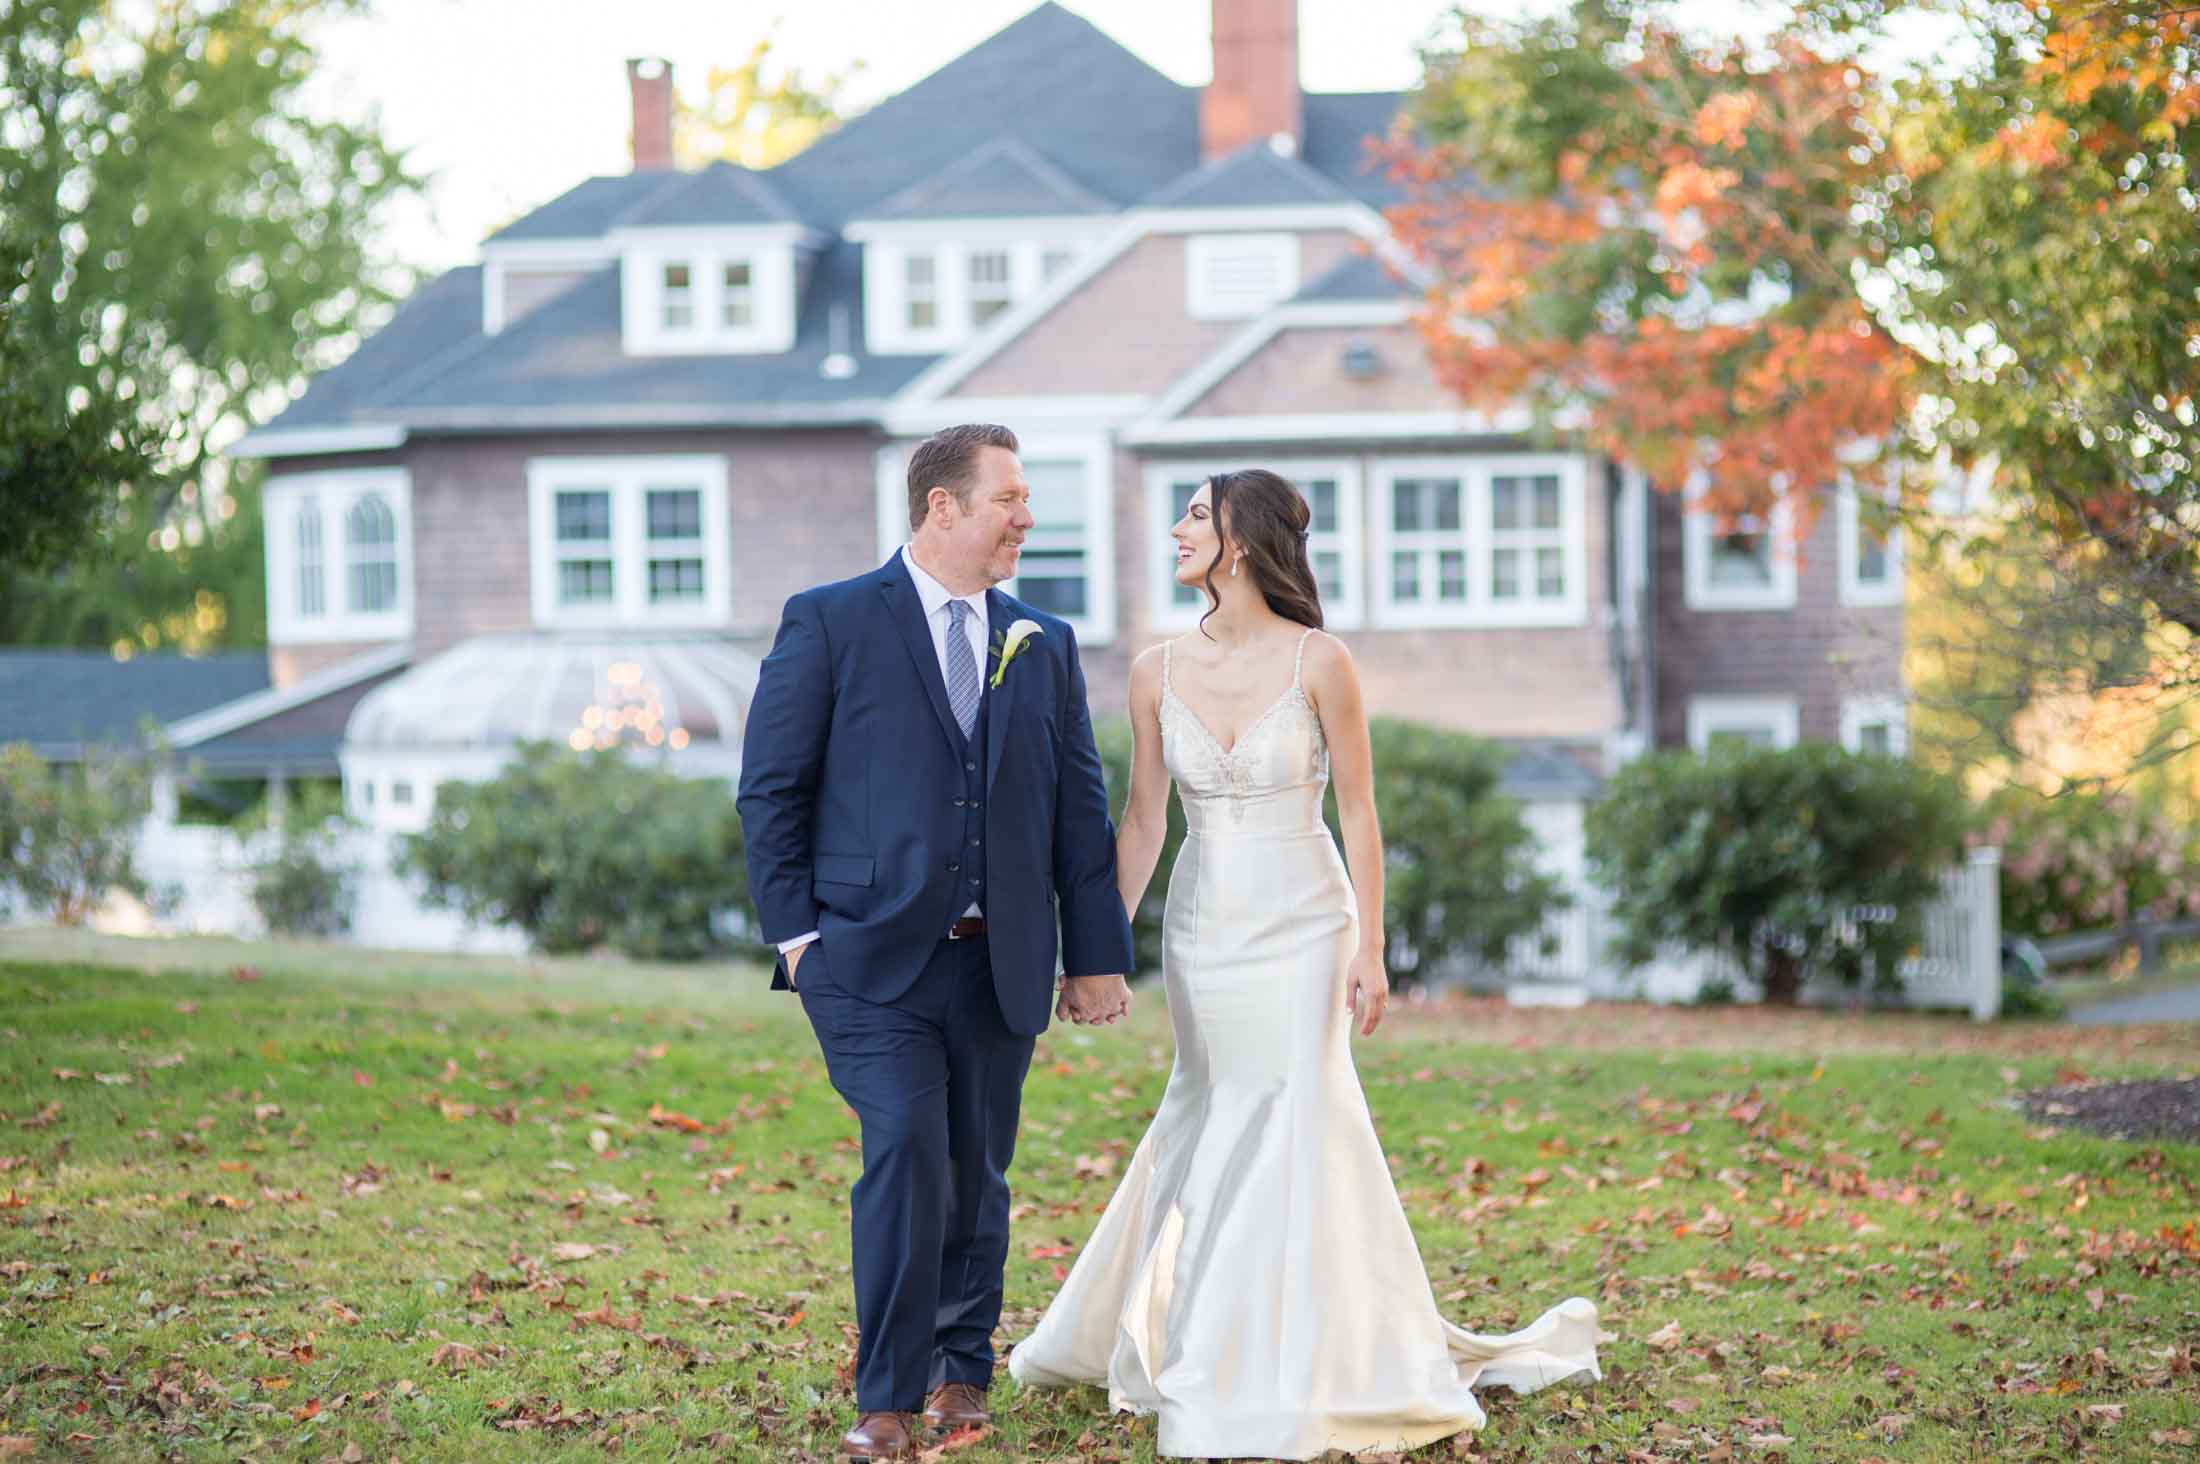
{"x":1253,"y":1280}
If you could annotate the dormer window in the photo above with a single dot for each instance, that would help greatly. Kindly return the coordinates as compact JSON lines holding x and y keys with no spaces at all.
{"x":991,"y":289}
{"x":737,"y":303}
{"x":678,"y":298}
{"x":921,"y":292}
{"x":696,"y":291}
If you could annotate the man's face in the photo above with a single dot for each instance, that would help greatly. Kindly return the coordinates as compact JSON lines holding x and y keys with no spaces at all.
{"x":986,"y":539}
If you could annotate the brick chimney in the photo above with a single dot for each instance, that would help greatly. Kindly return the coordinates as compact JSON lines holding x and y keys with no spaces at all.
{"x":1255,"y":93}
{"x":650,"y":83}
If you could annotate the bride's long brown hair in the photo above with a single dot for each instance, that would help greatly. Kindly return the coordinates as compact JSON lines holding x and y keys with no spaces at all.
{"x":1260,"y":514}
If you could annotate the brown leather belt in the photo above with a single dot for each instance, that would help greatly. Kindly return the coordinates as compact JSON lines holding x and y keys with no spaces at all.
{"x":966,"y":927}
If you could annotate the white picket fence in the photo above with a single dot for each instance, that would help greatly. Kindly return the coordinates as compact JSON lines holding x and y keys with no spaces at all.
{"x":201,"y":877}
{"x":1957,"y":963}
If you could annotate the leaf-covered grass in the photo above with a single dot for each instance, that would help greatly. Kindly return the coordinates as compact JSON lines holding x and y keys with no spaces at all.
{"x":489,"y":1210}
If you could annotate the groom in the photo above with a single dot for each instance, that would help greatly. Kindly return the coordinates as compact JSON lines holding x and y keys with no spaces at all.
{"x":919,"y":788}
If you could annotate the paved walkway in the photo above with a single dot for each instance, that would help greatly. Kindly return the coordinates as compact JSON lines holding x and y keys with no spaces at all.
{"x":2182,"y":1004}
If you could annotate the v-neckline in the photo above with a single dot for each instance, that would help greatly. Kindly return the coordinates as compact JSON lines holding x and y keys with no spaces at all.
{"x":1250,"y":727}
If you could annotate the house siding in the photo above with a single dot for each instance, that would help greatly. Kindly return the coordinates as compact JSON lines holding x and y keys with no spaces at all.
{"x":1126,"y":331}
{"x":1301,"y":372}
{"x":1820,"y":651}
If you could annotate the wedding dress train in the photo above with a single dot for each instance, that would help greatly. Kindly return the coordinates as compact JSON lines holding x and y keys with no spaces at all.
{"x":1253,"y":1281}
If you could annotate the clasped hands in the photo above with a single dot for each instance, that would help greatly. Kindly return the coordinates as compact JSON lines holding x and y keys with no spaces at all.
{"x":1093,"y":1001}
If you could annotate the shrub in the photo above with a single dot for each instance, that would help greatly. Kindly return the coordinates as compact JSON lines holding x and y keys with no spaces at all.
{"x":2088,"y":861}
{"x":1792,"y":860}
{"x":1459,"y":877}
{"x":301,"y":886}
{"x":586,"y":849}
{"x":68,"y":835}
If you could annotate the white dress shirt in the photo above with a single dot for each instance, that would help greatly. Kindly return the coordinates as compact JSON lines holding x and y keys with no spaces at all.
{"x":934,"y":596}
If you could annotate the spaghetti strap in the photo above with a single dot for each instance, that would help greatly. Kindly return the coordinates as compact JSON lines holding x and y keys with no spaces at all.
{"x":1298,"y":665}
{"x":1166,"y":647}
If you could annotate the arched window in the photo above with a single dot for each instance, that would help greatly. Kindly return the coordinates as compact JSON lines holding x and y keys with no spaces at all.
{"x":312,"y":599}
{"x":370,"y":544}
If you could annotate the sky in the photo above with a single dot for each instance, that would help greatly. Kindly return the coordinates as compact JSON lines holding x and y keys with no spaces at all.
{"x":505,"y":104}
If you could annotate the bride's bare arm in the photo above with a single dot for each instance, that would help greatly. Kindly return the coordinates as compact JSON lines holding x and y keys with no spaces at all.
{"x":1145,"y":823}
{"x":1333,"y":685}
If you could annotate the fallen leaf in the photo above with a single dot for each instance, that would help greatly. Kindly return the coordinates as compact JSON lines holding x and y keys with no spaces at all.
{"x":572,"y":1250}
{"x":362,"y":1079}
{"x":1666,"y":1338}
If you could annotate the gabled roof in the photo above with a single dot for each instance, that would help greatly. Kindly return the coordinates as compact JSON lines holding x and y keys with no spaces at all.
{"x":719,"y":194}
{"x":588,"y":208}
{"x":60,"y":700}
{"x":1005,"y":178}
{"x":442,"y":316}
{"x":1255,"y":176}
{"x":563,"y":362}
{"x":1361,"y":277}
{"x":1047,"y":117}
{"x":1103,"y":117}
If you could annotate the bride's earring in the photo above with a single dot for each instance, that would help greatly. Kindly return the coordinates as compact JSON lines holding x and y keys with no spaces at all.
{"x":1235,"y":565}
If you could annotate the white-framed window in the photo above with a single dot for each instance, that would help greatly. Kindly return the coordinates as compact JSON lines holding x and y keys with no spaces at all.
{"x":343,"y":572}
{"x":920,"y":292}
{"x":370,"y":556}
{"x":929,"y":287}
{"x":689,"y":292}
{"x":1876,"y":724}
{"x":1871,"y":552}
{"x":629,"y":540}
{"x":992,"y":287}
{"x":1481,"y":540}
{"x":311,"y":590}
{"x":676,"y":296}
{"x":737,"y":295}
{"x":1761,"y":721}
{"x":1067,"y":567}
{"x":1331,"y":488}
{"x":1746,"y":562}
{"x":1237,"y":276}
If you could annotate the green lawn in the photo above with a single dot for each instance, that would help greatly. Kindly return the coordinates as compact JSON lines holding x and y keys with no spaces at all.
{"x":361,"y":1207}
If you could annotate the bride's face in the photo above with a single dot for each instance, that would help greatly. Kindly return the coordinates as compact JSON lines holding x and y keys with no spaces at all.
{"x":1197,"y":539}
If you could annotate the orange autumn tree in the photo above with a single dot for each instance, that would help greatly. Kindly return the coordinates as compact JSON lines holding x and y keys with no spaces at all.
{"x":1656,"y":243}
{"x":2047,"y":269}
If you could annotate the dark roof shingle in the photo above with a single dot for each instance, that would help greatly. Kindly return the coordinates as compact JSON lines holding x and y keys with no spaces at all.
{"x":58,"y":700}
{"x":1005,"y":178}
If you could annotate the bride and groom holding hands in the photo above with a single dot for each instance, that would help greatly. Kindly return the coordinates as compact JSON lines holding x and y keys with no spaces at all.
{"x":925,"y":809}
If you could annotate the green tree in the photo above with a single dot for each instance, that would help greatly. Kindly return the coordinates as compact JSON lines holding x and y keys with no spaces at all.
{"x":68,"y":835}
{"x":63,"y":464}
{"x":578,"y":850}
{"x":1771,"y":856}
{"x":196,"y":240}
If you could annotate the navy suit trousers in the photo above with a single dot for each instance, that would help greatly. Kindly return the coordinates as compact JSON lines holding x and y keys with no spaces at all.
{"x":936,"y":1080}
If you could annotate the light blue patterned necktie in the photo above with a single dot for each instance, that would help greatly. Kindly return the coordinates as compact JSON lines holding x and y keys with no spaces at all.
{"x":962,"y":669}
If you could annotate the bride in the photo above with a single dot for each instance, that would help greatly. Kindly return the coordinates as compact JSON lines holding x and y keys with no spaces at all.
{"x":1253,"y":1280}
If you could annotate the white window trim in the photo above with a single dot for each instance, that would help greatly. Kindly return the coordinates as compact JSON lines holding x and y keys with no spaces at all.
{"x":1859,"y":712}
{"x":1098,"y":625}
{"x":1199,"y":253}
{"x":1347,"y":613}
{"x":628,"y":478}
{"x":770,"y":256}
{"x":1712,"y":714}
{"x":335,"y":491}
{"x":1478,"y":609}
{"x":1848,"y":508}
{"x":951,"y":243}
{"x":1697,"y":529}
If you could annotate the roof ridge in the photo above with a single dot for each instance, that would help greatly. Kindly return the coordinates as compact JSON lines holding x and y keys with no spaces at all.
{"x":1259,"y":150}
{"x":1042,"y":168}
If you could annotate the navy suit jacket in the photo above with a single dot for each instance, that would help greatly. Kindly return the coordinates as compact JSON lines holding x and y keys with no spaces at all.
{"x":850,"y":771}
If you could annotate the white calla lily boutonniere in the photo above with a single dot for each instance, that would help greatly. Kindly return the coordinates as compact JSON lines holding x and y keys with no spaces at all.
{"x":1007,"y":647}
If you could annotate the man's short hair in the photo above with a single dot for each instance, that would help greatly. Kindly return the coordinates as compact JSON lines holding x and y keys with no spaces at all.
{"x":949,"y":459}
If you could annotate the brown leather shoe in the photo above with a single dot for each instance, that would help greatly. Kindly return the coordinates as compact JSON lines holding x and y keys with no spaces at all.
{"x":880,"y":1436}
{"x":957,"y":1405}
